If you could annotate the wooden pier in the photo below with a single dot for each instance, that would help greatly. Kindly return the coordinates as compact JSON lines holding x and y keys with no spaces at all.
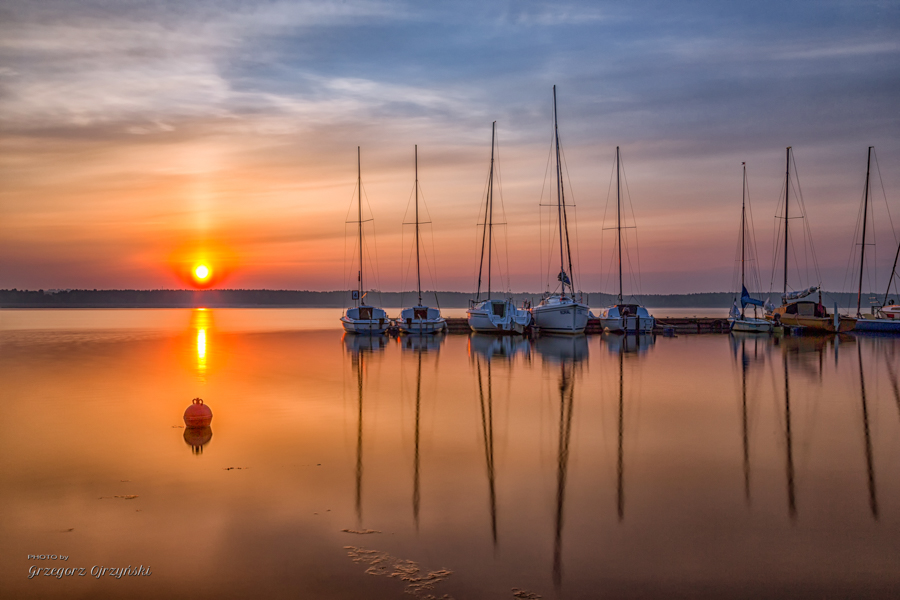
{"x":668,"y":325}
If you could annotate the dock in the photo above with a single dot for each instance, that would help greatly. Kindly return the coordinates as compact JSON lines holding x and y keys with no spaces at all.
{"x":668,"y":325}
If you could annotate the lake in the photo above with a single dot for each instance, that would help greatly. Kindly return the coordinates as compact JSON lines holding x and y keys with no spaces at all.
{"x":457,"y":466}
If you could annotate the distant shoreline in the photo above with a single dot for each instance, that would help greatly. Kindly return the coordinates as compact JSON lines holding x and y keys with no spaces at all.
{"x":338,"y":299}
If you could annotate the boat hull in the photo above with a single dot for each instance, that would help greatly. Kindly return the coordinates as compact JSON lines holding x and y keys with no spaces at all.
{"x":365,"y":326}
{"x":484,"y":319}
{"x":421,"y":326}
{"x":560,"y":317}
{"x":878,"y":325}
{"x":628,"y":324}
{"x":626,"y":318}
{"x":750,"y":325}
{"x":819,"y":324}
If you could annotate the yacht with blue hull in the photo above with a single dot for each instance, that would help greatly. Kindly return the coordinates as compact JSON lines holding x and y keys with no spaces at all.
{"x":886,"y":318}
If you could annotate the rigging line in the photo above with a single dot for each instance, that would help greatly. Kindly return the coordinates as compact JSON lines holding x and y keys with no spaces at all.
{"x":503,"y":216}
{"x":753,"y":241}
{"x":374,"y":245}
{"x":884,"y":195}
{"x":541,"y":203}
{"x":575,"y":219}
{"x":850,"y":270}
{"x":482,"y":223}
{"x":637,"y":247}
{"x":776,"y":238}
{"x":812,"y":245}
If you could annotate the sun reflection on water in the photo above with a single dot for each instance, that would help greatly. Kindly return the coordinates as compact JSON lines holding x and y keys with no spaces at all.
{"x":200,"y":321}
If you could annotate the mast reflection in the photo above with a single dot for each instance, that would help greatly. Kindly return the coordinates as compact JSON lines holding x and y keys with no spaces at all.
{"x":504,"y":347}
{"x":567,"y":352}
{"x":487,"y":430}
{"x":740,"y":342}
{"x":789,"y":451}
{"x":419,"y":345}
{"x":360,"y":347}
{"x":870,"y":471}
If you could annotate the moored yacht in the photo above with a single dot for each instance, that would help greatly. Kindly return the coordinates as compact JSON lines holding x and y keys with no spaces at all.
{"x":420,"y":318}
{"x":795,"y":312}
{"x":363,"y":318}
{"x":738,"y":320}
{"x":493,"y":315}
{"x":624,"y":317}
{"x":560,"y":312}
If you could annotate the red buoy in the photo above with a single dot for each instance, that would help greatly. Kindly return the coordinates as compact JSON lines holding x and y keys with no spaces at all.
{"x":197,"y":414}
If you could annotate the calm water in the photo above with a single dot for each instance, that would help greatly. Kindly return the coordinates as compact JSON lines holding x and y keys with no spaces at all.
{"x":695,"y":466}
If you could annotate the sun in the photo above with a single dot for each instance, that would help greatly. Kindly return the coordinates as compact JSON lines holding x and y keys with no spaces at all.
{"x":201,"y":273}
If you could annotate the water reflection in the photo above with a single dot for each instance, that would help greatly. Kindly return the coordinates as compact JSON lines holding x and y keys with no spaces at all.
{"x":197,"y":438}
{"x":360,"y":348}
{"x":201,"y":322}
{"x":450,"y":446}
{"x":486,"y":403}
{"x":562,"y":348}
{"x":749,"y":349}
{"x":356,"y":345}
{"x":504,"y":347}
{"x":870,"y":471}
{"x":631,"y":344}
{"x":423,"y":343}
{"x":566,"y":408}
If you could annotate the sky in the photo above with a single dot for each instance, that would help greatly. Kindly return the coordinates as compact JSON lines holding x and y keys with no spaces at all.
{"x":139,"y":138}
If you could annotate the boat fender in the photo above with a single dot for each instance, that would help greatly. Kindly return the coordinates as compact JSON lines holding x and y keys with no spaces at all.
{"x":837,"y":318}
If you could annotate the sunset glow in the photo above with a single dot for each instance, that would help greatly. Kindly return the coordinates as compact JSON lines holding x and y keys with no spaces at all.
{"x":129,"y":160}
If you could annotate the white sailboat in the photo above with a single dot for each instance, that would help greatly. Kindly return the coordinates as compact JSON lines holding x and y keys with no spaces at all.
{"x":561,"y":312}
{"x":738,"y":320}
{"x":420,"y":319}
{"x":624,"y":317}
{"x":493,"y":315}
{"x":363,"y":318}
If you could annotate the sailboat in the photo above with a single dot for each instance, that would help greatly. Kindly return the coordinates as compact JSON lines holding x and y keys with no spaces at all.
{"x":363,"y":318}
{"x":738,"y":320}
{"x":887,"y":321}
{"x":493,"y":315}
{"x":419,"y":318}
{"x":794,"y":312}
{"x":624,"y":318}
{"x":559,"y":312}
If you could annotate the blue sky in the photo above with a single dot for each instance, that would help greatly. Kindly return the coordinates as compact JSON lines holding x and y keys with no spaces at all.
{"x":287,"y":90}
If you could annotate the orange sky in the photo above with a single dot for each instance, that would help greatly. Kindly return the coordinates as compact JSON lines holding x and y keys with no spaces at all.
{"x":137,"y":145}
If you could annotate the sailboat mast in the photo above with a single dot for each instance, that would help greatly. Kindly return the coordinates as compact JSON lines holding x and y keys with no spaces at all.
{"x":490,"y":200}
{"x":418,"y":271}
{"x":862,"y":251}
{"x":559,"y":191}
{"x":743,"y":217}
{"x":619,"y":220}
{"x":359,"y":190}
{"x":787,"y":187}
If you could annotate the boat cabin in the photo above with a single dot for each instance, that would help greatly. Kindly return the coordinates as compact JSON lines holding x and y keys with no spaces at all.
{"x":420,"y":313}
{"x":805,"y":308}
{"x":365,"y":313}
